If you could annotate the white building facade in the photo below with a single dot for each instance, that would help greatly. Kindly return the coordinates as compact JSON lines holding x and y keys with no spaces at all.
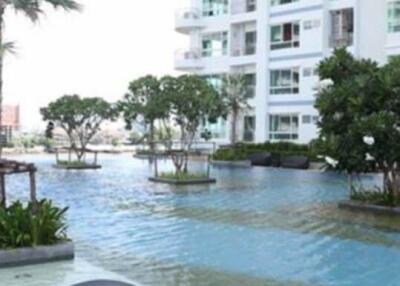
{"x":278,"y":45}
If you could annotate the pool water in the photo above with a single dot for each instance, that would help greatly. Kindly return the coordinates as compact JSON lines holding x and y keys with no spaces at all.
{"x":256,"y":226}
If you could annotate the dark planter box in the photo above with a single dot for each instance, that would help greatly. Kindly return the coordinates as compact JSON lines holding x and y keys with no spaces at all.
{"x":364,"y":207}
{"x":35,"y":255}
{"x":183,"y":182}
{"x":245,"y":164}
{"x":261,"y":159}
{"x":295,"y":162}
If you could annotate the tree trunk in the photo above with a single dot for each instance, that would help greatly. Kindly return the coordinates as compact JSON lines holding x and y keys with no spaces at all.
{"x":151,"y":137}
{"x":233,"y":126}
{"x":1,"y":70}
{"x":391,"y":185}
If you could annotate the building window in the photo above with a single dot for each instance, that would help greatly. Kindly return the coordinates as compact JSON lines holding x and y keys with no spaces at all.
{"x":251,"y":82}
{"x":215,"y":44}
{"x":249,"y":128}
{"x":284,"y":127}
{"x":215,"y":7}
{"x":342,"y":32}
{"x":394,"y":16}
{"x":282,"y":2}
{"x":285,"y":36}
{"x":311,"y":24}
{"x":251,"y":5}
{"x":250,"y":43}
{"x":215,"y":80}
{"x":285,"y":81}
{"x":306,"y":119}
{"x":217,"y":130}
{"x":308,"y":72}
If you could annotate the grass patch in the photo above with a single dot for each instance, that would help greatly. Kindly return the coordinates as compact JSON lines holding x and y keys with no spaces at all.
{"x":375,"y":197}
{"x":73,"y":164}
{"x":183,"y":176}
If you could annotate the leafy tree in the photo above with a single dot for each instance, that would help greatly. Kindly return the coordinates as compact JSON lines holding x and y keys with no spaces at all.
{"x":145,"y":102}
{"x":80,"y":118}
{"x":191,"y":101}
{"x":31,"y":9}
{"x":360,"y":117}
{"x":236,"y":97}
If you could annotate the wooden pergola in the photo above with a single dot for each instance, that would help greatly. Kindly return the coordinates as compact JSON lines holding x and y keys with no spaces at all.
{"x":10,"y":167}
{"x":69,"y":151}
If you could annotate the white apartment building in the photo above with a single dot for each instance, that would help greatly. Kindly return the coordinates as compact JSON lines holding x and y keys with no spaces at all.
{"x":278,"y":44}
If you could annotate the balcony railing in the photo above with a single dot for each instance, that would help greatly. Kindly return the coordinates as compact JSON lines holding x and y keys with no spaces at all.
{"x":344,"y":40}
{"x":188,"y":59}
{"x":188,"y":14}
{"x":246,"y":50}
{"x":188,"y":19}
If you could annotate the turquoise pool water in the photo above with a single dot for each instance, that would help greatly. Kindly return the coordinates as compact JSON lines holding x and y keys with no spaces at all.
{"x":254,"y":227}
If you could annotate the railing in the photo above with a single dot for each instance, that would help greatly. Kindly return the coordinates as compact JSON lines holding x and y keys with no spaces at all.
{"x":341,"y":41}
{"x":191,"y":54}
{"x":188,"y":14}
{"x":246,"y":50}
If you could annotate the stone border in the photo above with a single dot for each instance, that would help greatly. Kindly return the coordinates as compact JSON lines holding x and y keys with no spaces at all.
{"x":87,"y":167}
{"x":36,"y":255}
{"x":180,"y":182}
{"x":374,"y":209}
{"x":242,"y":164}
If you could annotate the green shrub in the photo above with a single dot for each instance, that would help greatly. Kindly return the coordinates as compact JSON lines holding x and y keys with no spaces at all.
{"x":242,"y":151}
{"x":21,"y":227}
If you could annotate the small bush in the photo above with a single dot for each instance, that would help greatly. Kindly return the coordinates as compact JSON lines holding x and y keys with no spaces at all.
{"x":21,"y":227}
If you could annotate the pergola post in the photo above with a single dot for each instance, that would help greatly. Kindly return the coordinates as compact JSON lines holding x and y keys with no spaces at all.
{"x":3,"y":199}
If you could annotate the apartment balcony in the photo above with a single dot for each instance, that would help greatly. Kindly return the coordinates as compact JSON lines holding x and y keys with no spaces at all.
{"x":187,"y":20}
{"x":188,"y":60}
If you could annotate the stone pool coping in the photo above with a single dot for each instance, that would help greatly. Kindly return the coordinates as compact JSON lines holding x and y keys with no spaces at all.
{"x":87,"y":167}
{"x":183,"y":182}
{"x":36,"y":255}
{"x":374,"y":209}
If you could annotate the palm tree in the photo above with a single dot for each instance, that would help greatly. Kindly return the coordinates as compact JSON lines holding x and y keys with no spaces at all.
{"x":236,"y":95}
{"x":32,"y":9}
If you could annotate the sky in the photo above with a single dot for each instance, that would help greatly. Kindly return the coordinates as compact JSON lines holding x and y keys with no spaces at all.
{"x":95,"y":52}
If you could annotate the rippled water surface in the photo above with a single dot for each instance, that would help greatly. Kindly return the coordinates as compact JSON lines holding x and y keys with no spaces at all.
{"x":254,"y":227}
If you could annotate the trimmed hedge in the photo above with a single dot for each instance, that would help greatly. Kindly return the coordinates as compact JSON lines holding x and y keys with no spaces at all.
{"x":283,"y":149}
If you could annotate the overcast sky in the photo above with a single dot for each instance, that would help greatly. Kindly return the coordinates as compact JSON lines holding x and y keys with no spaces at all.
{"x":92,"y":53}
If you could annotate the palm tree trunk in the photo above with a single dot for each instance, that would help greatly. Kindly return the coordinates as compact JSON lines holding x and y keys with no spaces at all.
{"x":233,"y":126}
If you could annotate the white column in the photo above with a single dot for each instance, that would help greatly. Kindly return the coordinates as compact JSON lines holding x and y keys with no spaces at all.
{"x":261,"y":100}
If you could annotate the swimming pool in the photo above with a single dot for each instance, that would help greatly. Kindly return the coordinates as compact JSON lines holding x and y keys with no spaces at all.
{"x":254,"y":227}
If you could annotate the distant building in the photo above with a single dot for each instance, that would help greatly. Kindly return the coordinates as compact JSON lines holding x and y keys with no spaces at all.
{"x":11,"y":116}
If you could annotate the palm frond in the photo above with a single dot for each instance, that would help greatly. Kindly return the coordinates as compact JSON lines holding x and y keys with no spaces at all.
{"x":31,"y":8}
{"x":8,"y":47}
{"x":65,"y":4}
